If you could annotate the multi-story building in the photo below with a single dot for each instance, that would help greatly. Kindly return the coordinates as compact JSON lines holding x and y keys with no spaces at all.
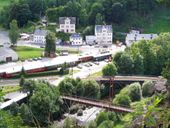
{"x":39,"y":36}
{"x":104,"y":35}
{"x":133,"y":37}
{"x":67,"y":24}
{"x":76,"y":39}
{"x":91,"y":40}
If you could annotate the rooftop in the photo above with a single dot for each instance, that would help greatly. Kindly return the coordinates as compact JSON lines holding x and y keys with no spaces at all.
{"x":6,"y":51}
{"x":62,"y":20}
{"x":40,"y":32}
{"x":99,"y":28}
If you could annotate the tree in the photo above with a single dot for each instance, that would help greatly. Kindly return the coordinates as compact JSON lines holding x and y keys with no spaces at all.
{"x":13,"y":32}
{"x":44,"y":102}
{"x":147,"y":88}
{"x":126,"y":64}
{"x":138,"y":65}
{"x":99,"y":19}
{"x":121,"y":99}
{"x":22,"y":81}
{"x":70,"y":123}
{"x":166,"y":74}
{"x":101,"y":118}
{"x":106,"y":124}
{"x":135,"y":92}
{"x":91,"y":89}
{"x":50,"y":47}
{"x":109,"y":70}
{"x":14,"y":109}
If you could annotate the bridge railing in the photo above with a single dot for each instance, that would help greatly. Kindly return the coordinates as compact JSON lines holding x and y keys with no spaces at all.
{"x":96,"y":100}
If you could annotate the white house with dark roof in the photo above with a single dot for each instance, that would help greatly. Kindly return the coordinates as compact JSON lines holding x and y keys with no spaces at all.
{"x":104,"y":35}
{"x":7,"y":54}
{"x":133,"y":37}
{"x":90,"y":39}
{"x":67,"y":24}
{"x":76,"y":39}
{"x":39,"y":36}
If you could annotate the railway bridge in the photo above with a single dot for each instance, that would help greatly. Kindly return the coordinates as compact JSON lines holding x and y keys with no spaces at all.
{"x":97,"y":103}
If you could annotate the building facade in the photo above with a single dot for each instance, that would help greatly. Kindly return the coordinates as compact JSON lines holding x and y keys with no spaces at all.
{"x":131,"y":38}
{"x":39,"y":36}
{"x":67,"y":24}
{"x":104,"y":35}
{"x":90,"y":40}
{"x":76,"y":39}
{"x":7,"y":54}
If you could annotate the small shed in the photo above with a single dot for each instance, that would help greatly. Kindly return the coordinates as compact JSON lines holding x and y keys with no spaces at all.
{"x":7,"y":54}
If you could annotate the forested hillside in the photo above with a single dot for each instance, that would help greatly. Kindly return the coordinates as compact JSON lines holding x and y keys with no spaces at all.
{"x":146,"y":15}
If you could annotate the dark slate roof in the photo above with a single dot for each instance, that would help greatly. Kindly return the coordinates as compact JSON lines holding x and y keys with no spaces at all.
{"x":40,"y":32}
{"x":98,"y":28}
{"x":75,"y":35}
{"x":62,"y":20}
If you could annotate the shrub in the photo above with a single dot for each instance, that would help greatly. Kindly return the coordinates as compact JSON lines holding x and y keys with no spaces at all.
{"x":122,"y":100}
{"x":109,"y":70}
{"x":135,"y":92}
{"x":147,"y":88}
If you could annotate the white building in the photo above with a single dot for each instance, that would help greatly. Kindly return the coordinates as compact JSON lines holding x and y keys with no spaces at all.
{"x":131,"y":38}
{"x":67,"y":24}
{"x":39,"y":36}
{"x":104,"y":35}
{"x":7,"y":54}
{"x":91,"y":40}
{"x":76,"y":39}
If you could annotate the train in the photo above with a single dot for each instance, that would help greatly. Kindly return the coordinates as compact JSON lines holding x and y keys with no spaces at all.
{"x":43,"y":67}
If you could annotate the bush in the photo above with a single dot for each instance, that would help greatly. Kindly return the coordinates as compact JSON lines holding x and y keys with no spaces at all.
{"x":101,"y":118}
{"x":135,"y":92}
{"x":147,"y":88}
{"x":80,"y":112}
{"x":123,"y":100}
{"x":109,"y":70}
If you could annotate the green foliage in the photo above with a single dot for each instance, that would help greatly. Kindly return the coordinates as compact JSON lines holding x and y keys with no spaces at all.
{"x":22,"y":81}
{"x":14,"y":109}
{"x":50,"y":47}
{"x":63,"y":36}
{"x":106,"y":124}
{"x":101,"y":118}
{"x":13,"y":33}
{"x":44,"y":102}
{"x":123,"y":100}
{"x":91,"y":89}
{"x":70,"y":123}
{"x":109,"y":70}
{"x":135,"y":92}
{"x":147,"y":88}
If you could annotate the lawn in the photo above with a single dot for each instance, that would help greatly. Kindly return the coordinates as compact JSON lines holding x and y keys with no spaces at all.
{"x":4,"y":3}
{"x":9,"y":89}
{"x":25,"y":52}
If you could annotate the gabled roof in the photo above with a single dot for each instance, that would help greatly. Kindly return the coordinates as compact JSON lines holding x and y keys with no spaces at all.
{"x":62,"y":20}
{"x":99,"y":28}
{"x":75,"y":35}
{"x":6,"y":51}
{"x":40,"y":32}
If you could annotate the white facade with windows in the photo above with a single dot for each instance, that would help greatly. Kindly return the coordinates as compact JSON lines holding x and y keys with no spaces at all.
{"x":91,"y":40}
{"x":131,"y":38}
{"x":39,"y":36}
{"x":67,"y":24}
{"x":76,"y":39}
{"x":104,"y":35}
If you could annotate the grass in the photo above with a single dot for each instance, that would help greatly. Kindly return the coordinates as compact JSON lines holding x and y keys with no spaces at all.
{"x":96,"y":74}
{"x":25,"y":52}
{"x":9,"y":89}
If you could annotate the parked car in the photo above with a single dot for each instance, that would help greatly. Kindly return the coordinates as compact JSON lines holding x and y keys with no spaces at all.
{"x":96,"y":63}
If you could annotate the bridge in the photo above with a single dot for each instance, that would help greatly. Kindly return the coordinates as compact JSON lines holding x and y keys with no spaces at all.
{"x":99,"y":104}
